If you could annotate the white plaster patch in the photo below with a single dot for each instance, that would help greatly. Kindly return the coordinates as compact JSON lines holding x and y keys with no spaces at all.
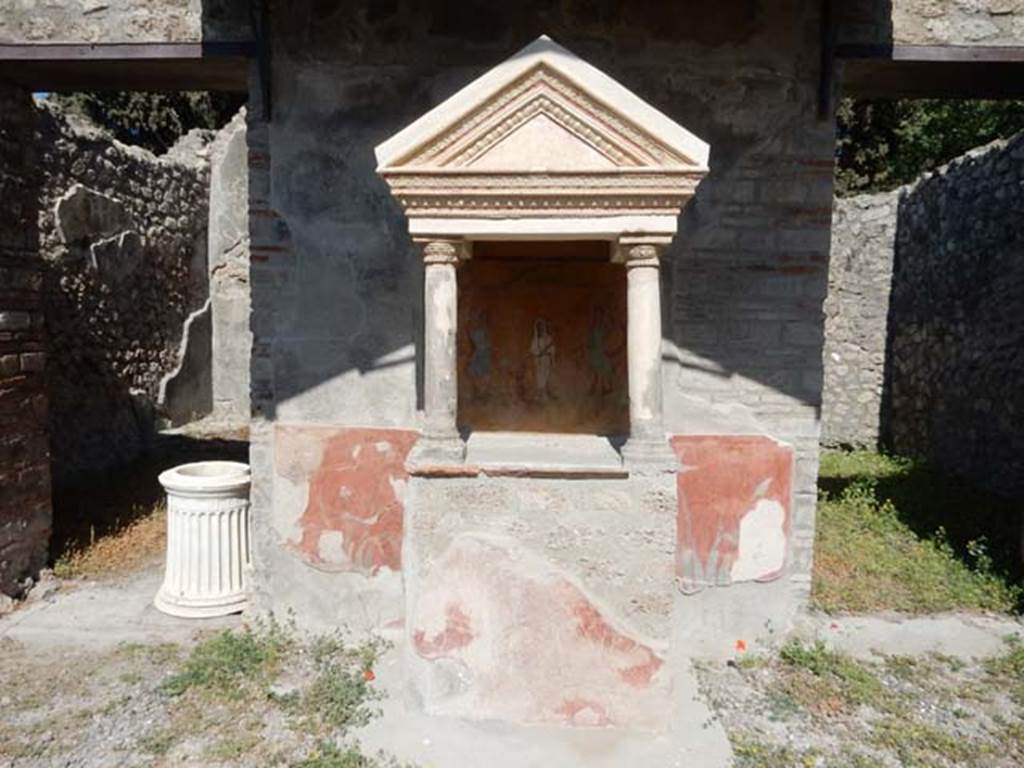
{"x":331,"y":548}
{"x":762,"y":542}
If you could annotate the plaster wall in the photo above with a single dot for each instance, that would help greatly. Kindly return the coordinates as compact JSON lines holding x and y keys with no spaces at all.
{"x":336,"y":282}
{"x":228,"y":262}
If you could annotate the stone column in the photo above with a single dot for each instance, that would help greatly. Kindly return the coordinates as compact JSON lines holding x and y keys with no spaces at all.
{"x":647,"y":442}
{"x":440,"y":441}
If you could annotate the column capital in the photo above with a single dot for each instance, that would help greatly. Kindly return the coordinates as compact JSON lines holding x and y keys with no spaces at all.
{"x":440,"y":251}
{"x":640,"y":251}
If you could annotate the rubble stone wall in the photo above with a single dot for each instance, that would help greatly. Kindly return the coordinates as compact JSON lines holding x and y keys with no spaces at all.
{"x":933,"y":22}
{"x":122,"y":21}
{"x":856,"y":318}
{"x":25,"y":511}
{"x":925,"y":327}
{"x":122,"y":234}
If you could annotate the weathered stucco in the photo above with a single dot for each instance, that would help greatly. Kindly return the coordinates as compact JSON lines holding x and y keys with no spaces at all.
{"x":337,"y":282}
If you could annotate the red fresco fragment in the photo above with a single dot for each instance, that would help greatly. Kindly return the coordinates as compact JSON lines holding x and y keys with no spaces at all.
{"x":457,"y":633}
{"x":352,"y":493}
{"x":535,"y":645}
{"x":592,"y":626}
{"x":723,"y":478}
{"x":583,"y":712}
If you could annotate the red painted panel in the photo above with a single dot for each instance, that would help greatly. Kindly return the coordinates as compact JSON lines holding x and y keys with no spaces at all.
{"x":354,"y":512}
{"x":735,"y":508}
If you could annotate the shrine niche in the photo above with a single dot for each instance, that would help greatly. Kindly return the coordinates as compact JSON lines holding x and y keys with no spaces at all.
{"x":542,"y":163}
{"x":540,"y":511}
{"x":542,"y":339}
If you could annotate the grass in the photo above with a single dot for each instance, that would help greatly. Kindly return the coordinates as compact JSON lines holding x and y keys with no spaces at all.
{"x":842,"y":712}
{"x":236,"y":687}
{"x":893,"y":535}
{"x":229,"y":664}
{"x":114,"y":523}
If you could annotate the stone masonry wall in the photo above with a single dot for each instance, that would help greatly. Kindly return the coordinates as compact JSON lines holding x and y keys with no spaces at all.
{"x":952,"y":390}
{"x":856,"y":318}
{"x":336,"y":281}
{"x":25,"y":512}
{"x":933,"y":22}
{"x":956,"y":319}
{"x":123,"y":238}
{"x":122,"y":21}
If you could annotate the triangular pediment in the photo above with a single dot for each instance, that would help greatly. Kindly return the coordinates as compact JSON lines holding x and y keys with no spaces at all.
{"x":544,"y":109}
{"x":543,"y":145}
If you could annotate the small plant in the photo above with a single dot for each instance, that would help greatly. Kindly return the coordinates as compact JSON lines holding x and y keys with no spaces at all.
{"x":330,"y":755}
{"x":341,"y":692}
{"x":843,"y":681}
{"x":229,"y":661}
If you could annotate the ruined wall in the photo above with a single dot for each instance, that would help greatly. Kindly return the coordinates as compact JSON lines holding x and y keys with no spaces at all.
{"x":933,"y":22}
{"x":228,"y":260}
{"x":856,"y":318}
{"x":929,"y":278}
{"x":25,"y":511}
{"x":956,"y":319}
{"x":336,"y":282}
{"x":123,"y":237}
{"x":122,"y":21}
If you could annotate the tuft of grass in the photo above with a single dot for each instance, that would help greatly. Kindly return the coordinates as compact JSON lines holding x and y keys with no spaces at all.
{"x":883,"y":543}
{"x":916,"y":743}
{"x":232,"y":661}
{"x":1008,"y":669}
{"x":330,"y":755}
{"x":831,"y":681}
{"x":340,"y":695}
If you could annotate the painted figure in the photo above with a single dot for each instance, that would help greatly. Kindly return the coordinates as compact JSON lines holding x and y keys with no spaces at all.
{"x":542,"y":349}
{"x":601,"y":369}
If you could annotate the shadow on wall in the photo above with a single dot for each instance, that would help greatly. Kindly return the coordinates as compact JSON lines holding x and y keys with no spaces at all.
{"x":122,"y":235}
{"x":953,"y":392}
{"x":336,"y":280}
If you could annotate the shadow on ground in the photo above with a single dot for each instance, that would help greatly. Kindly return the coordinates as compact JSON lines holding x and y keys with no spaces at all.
{"x":111,"y":501}
{"x":984,"y":530}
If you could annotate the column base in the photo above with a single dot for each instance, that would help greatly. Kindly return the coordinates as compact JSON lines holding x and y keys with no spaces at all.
{"x":646,"y":456}
{"x":432,"y":451}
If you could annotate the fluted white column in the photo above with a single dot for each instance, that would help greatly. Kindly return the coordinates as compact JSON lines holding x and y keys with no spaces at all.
{"x":207,"y":539}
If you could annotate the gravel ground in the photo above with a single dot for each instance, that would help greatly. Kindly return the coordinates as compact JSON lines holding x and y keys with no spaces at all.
{"x":811,"y":707}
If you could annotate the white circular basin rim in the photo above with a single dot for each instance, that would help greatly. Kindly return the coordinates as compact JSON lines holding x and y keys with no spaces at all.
{"x":205,"y":476}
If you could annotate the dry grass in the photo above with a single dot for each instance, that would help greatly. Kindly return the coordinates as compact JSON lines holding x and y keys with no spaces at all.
{"x":135,"y":546}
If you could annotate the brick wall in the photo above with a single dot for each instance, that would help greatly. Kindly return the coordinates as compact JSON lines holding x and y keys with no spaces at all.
{"x":25,"y":513}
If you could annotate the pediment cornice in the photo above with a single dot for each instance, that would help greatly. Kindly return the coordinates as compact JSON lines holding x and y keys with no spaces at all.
{"x":543,"y":135}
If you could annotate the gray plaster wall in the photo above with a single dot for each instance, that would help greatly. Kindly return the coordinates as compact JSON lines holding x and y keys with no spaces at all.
{"x":856,"y":318}
{"x":336,"y":281}
{"x":932,"y":22}
{"x":122,"y":21}
{"x":925,"y":330}
{"x":122,"y":234}
{"x":228,"y":261}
